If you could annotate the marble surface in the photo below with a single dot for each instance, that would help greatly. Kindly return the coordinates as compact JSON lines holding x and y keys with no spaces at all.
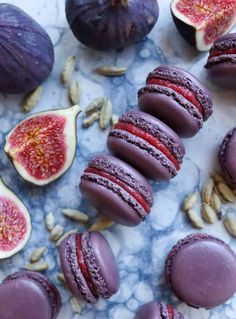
{"x":140,"y":251}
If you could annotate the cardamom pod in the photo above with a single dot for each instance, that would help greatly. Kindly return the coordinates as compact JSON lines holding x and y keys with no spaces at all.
{"x":68,"y":70}
{"x":226,"y":192}
{"x":101,"y":223}
{"x":217,"y":178}
{"x":95,"y":105}
{"x":38,"y":266}
{"x":207,"y":190}
{"x":230,"y":224}
{"x":50,"y":221}
{"x":215,"y":202}
{"x":60,"y":240}
{"x":37,"y":254}
{"x":114,"y":120}
{"x":106,"y":114}
{"x":56,"y":232}
{"x":208,"y":214}
{"x":91,"y":119}
{"x":76,"y":215}
{"x":74,"y":92}
{"x":107,"y":70}
{"x":195,"y":219}
{"x":190,"y":201}
{"x":32,"y":99}
{"x":61,"y":278}
{"x":76,"y":307}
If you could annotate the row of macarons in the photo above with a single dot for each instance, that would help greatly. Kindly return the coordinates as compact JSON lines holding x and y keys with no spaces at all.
{"x":200,"y":269}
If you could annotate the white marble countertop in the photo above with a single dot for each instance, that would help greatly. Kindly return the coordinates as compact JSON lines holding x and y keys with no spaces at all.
{"x":140,"y":251}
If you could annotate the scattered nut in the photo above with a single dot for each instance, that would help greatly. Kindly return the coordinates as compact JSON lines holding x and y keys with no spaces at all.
{"x":56,"y":233}
{"x":38,"y":266}
{"x":76,"y":215}
{"x":195,"y":219}
{"x":106,"y":115}
{"x":50,"y":221}
{"x":32,"y":99}
{"x":208,"y":214}
{"x":91,"y":119}
{"x":75,"y":305}
{"x":111,"y":70}
{"x":190,"y":201}
{"x":37,"y":254}
{"x":207,"y":190}
{"x":60,"y":240}
{"x":226,"y":192}
{"x":101,"y":223}
{"x":74,"y":92}
{"x":230,"y":224}
{"x":68,"y":70}
{"x":95,"y":105}
{"x":215,"y":202}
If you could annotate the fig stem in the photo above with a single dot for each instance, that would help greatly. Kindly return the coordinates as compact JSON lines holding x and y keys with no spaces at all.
{"x":123,"y":3}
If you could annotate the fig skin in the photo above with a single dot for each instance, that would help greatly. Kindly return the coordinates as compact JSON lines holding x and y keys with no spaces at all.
{"x":26,"y":51}
{"x":111,"y":24}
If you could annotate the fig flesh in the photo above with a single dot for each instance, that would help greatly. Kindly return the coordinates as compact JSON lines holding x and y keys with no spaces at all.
{"x":111,"y":24}
{"x":202,"y":22}
{"x":26,"y":51}
{"x":42,"y":147}
{"x":15,"y":223}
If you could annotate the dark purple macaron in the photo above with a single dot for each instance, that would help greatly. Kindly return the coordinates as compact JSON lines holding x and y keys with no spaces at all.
{"x":221,"y":63}
{"x":117,"y":190}
{"x":89,"y":266}
{"x":147,"y":144}
{"x":28,"y":295}
{"x":201,"y":270}
{"x":177,"y":98}
{"x":227,"y":157}
{"x":158,"y":310}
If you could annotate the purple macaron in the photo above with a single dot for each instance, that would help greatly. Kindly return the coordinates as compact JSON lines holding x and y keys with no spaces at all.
{"x":117,"y":190}
{"x":177,"y":98}
{"x":227,"y":157}
{"x":148,"y":144}
{"x":28,"y":295}
{"x":89,"y":266}
{"x":201,"y":270}
{"x":158,"y":310}
{"x":221,"y":63}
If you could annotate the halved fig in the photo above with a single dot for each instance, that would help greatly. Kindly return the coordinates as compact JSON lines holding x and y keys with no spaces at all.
{"x":202,"y":22}
{"x":42,"y":147}
{"x":15,"y":223}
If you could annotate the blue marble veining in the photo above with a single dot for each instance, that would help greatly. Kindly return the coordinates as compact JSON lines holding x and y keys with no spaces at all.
{"x":140,"y":251}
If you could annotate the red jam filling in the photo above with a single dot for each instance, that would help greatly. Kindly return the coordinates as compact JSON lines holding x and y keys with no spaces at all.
{"x":185,"y":92}
{"x":148,"y":138}
{"x":218,"y":53}
{"x":170,"y":312}
{"x":82,"y":265}
{"x":127,"y":188}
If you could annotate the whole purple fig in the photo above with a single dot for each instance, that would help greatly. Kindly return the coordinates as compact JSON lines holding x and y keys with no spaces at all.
{"x":111,"y":24}
{"x":26,"y":51}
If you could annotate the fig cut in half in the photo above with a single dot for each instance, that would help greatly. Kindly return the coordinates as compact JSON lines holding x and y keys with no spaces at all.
{"x":15,"y":223}
{"x":201,"y":22}
{"x":42,"y":147}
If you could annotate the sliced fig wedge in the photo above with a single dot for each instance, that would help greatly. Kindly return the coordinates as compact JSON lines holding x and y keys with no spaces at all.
{"x":42,"y":147}
{"x":15,"y":223}
{"x":202,"y":22}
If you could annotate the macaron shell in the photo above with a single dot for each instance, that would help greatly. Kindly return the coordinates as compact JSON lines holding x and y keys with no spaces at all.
{"x":105,"y":261}
{"x":24,"y":299}
{"x":109,"y":203}
{"x":150,"y":310}
{"x":80,"y":290}
{"x":223,"y":74}
{"x":203,"y":273}
{"x":150,"y":166}
{"x":170,"y":112}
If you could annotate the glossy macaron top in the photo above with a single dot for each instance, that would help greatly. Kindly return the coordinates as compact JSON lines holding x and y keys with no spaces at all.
{"x":89,"y":266}
{"x":227,"y":157}
{"x":145,"y":135}
{"x":201,"y":270}
{"x":28,"y":295}
{"x":116,"y":189}
{"x":158,"y":310}
{"x":185,"y":85}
